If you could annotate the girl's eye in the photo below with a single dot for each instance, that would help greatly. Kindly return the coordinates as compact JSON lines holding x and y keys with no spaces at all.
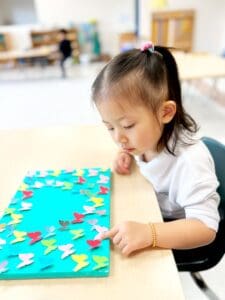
{"x":110,"y":128}
{"x":128,"y":127}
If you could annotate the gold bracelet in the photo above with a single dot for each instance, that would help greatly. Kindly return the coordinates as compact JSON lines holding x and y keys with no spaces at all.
{"x":154,"y":236}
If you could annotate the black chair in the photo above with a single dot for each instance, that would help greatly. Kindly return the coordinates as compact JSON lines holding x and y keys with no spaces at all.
{"x":204,"y":258}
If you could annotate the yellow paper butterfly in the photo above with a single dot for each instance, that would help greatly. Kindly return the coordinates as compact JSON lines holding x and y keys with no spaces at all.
{"x":97,"y":201}
{"x":77,"y":233}
{"x":19,"y":236}
{"x":81,"y":260}
{"x":50,"y":245}
{"x":101,"y":261}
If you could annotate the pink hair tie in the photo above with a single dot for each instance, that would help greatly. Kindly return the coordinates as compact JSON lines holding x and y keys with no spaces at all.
{"x":147,"y":46}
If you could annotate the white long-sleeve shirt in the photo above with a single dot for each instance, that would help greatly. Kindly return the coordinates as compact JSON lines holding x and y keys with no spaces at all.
{"x":185,"y":184}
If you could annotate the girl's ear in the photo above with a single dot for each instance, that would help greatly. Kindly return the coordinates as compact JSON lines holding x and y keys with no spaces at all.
{"x":169,"y":109}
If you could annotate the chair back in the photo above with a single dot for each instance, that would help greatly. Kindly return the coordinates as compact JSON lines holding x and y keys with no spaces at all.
{"x":217,"y":151}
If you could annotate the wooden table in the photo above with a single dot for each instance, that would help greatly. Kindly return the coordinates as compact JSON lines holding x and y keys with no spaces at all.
{"x":151,"y":274}
{"x":199,"y":65}
{"x":35,"y":53}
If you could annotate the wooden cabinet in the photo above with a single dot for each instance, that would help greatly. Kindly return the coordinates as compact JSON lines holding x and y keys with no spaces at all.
{"x":52,"y":37}
{"x":173,"y":29}
{"x":4,"y":42}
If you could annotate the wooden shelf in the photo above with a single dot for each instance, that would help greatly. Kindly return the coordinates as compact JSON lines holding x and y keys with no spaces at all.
{"x":4,"y":42}
{"x":173,"y":29}
{"x":52,"y":37}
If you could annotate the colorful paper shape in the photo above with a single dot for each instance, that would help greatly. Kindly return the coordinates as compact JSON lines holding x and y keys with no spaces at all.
{"x":52,"y":225}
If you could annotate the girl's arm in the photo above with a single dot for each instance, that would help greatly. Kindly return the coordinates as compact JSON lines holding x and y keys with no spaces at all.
{"x":180,"y":234}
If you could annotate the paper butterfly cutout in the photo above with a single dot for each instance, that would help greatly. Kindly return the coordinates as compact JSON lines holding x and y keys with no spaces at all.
{"x":97,"y":201}
{"x":50,"y":231}
{"x":56,"y":173}
{"x":103,"y":190}
{"x":101,"y":212}
{"x":64,"y":225}
{"x":89,"y":209}
{"x":3,"y":265}
{"x":26,"y":259}
{"x":67,"y":250}
{"x":25,"y":206}
{"x":93,"y":222}
{"x":68,"y":171}
{"x":50,"y":182}
{"x":16,"y":219}
{"x":2,"y":242}
{"x":19,"y":236}
{"x":81,"y":180}
{"x":23,"y":187}
{"x":10,"y":228}
{"x":67,"y":186}
{"x":81,"y":260}
{"x":103,"y":179}
{"x":94,"y":243}
{"x":50,"y":245}
{"x":78,"y":218}
{"x":42,"y":174}
{"x":79,"y":173}
{"x":27,"y":194}
{"x":2,"y":227}
{"x":14,"y":200}
{"x":92,"y":172}
{"x":77,"y":233}
{"x":38,"y":185}
{"x":59,"y":183}
{"x":101,"y":261}
{"x":45,"y":262}
{"x":100,"y":230}
{"x":9,"y":211}
{"x":35,"y":237}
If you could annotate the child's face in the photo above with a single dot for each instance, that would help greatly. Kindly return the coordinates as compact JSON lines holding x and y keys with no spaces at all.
{"x":134,"y":128}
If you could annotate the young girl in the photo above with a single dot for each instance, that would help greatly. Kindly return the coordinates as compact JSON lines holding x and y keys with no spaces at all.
{"x":138,"y":96}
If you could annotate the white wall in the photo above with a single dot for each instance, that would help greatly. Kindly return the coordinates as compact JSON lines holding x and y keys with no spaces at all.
{"x":209,"y":27}
{"x":113,"y":16}
{"x":17,"y":12}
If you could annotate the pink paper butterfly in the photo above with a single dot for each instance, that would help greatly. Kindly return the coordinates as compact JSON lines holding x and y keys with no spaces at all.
{"x":78,"y":218}
{"x":27,"y":194}
{"x":3,"y":265}
{"x":94,"y":243}
{"x":100,"y":230}
{"x":103,"y":190}
{"x":35,"y":236}
{"x":81,"y":180}
{"x":101,"y":212}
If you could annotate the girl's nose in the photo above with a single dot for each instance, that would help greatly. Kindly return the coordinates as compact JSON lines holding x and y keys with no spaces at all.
{"x":120,"y":138}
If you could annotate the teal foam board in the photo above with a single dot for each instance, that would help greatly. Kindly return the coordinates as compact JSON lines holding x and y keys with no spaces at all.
{"x":52,"y":226}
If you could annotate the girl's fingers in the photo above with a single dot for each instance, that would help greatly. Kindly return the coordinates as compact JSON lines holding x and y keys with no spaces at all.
{"x":117,"y":239}
{"x":109,"y":234}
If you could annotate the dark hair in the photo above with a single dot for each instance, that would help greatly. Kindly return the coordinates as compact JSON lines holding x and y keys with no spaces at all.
{"x":63,"y":31}
{"x":150,"y":78}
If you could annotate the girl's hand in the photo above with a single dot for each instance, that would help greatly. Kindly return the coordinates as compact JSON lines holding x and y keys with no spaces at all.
{"x":130,"y":236}
{"x":122,"y":163}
